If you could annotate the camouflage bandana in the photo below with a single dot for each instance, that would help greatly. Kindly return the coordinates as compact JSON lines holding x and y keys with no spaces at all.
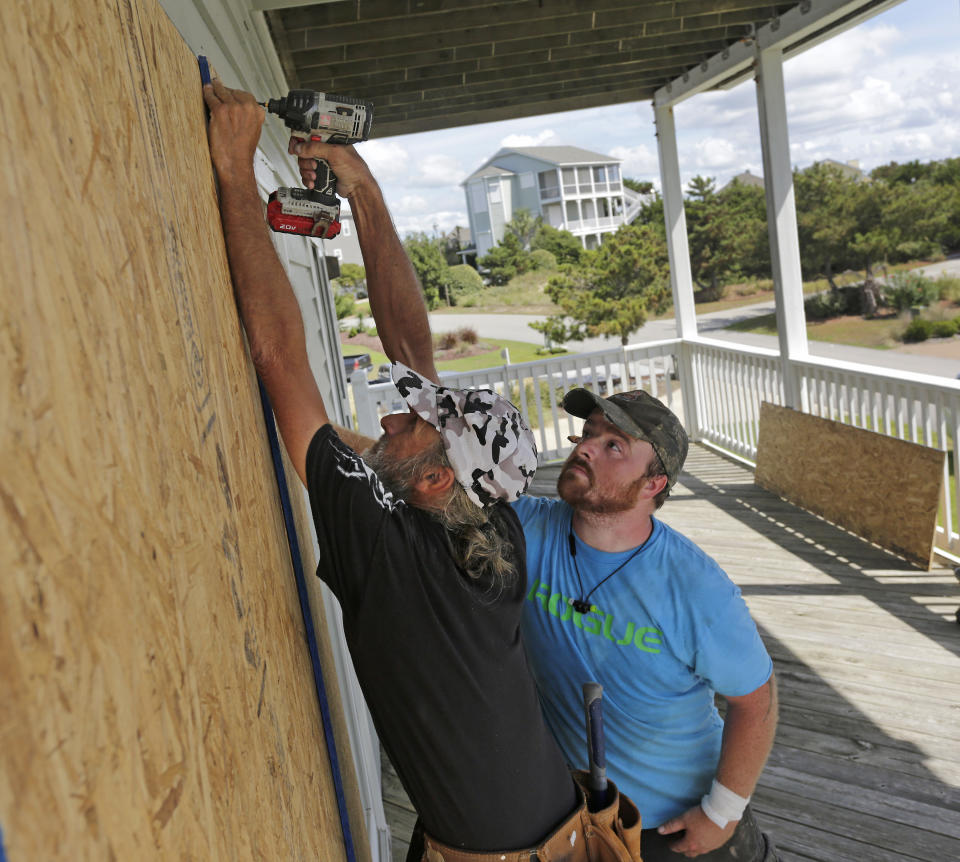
{"x":489,"y":446}
{"x":639,"y":415}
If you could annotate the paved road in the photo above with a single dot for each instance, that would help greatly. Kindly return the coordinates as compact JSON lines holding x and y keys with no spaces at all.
{"x":514,"y":327}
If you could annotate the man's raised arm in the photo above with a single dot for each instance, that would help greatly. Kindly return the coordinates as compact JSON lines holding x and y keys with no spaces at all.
{"x":396,"y":300}
{"x":268,"y":307}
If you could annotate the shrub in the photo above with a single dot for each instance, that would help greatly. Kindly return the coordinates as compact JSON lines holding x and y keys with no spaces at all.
{"x":345,"y":304}
{"x":446,"y":340}
{"x":540,"y":258}
{"x":905,"y":290}
{"x":944,"y":328}
{"x":822,"y":306}
{"x":467,"y":334}
{"x":463,"y":278}
{"x":918,"y":330}
{"x":948,"y":287}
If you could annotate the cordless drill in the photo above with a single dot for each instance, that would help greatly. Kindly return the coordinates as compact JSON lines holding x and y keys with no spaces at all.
{"x":329,"y":119}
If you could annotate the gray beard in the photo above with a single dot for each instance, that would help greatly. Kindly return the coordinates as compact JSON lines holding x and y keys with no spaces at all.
{"x":396,"y":476}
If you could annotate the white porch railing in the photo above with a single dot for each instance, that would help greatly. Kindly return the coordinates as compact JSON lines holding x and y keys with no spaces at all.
{"x":724,"y":386}
{"x":537,"y":388}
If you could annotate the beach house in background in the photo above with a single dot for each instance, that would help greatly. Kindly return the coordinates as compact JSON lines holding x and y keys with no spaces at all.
{"x":571,"y":188}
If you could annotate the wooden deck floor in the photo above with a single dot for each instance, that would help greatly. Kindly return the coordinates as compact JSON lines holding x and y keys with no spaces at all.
{"x":866,"y":648}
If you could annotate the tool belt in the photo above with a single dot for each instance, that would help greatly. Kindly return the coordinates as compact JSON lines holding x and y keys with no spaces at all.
{"x":611,"y":834}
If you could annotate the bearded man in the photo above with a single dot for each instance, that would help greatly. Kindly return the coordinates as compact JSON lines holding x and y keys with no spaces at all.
{"x":418,"y":542}
{"x":617,"y":596}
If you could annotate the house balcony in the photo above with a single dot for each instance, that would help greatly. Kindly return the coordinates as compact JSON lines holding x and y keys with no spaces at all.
{"x":866,"y":647}
{"x":586,"y":225}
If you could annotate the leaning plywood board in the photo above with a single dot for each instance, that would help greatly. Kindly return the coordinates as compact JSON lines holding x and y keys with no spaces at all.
{"x":157,"y":696}
{"x":881,"y":488}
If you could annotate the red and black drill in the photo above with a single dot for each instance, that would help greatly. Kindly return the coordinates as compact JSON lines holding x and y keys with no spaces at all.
{"x":331,"y":120}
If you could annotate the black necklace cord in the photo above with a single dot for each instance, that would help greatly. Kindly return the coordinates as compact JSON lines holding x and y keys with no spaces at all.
{"x":583,"y":606}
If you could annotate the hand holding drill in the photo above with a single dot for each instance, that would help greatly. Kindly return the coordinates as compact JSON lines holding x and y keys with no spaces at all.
{"x":325,"y":119}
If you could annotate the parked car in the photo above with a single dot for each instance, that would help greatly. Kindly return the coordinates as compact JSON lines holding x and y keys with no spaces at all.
{"x":356,"y":362}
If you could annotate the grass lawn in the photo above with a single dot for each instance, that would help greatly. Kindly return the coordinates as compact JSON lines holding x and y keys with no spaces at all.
{"x":879,"y":333}
{"x":520,"y":351}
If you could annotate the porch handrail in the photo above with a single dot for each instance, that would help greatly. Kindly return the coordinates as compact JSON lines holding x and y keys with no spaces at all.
{"x":731,"y":380}
{"x":723,"y":385}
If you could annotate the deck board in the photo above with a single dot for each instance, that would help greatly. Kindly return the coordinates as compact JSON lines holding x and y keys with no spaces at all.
{"x":866,"y":764}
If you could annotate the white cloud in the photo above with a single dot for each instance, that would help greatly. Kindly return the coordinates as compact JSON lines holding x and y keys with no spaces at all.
{"x":388,"y":160}
{"x":844,"y":56}
{"x":534,"y":140}
{"x":412,"y":204}
{"x":442,"y":221}
{"x":440,"y":170}
{"x":714,"y":154}
{"x":639,"y":162}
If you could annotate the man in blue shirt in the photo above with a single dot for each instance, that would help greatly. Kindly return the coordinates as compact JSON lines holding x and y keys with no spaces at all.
{"x":617,"y":596}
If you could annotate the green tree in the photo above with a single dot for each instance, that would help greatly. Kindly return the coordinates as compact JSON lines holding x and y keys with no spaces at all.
{"x":352,"y":276}
{"x":701,"y":188}
{"x":562,"y":244}
{"x":344,"y":304}
{"x":524,"y":227}
{"x":726,"y":233}
{"x":505,"y":260}
{"x":426,"y":255}
{"x":826,"y":220}
{"x":643,"y":187}
{"x":925,"y":217}
{"x":613,"y":288}
{"x":874,"y":237}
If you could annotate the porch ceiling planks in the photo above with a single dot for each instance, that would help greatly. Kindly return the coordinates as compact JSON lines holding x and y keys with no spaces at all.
{"x":431,"y":64}
{"x":867,"y":655}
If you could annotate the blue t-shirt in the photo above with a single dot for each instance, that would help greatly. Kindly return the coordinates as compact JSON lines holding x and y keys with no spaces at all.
{"x":668,"y":630}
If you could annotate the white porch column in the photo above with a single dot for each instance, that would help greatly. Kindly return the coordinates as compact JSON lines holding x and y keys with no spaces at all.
{"x":781,"y":220}
{"x":678,"y":250}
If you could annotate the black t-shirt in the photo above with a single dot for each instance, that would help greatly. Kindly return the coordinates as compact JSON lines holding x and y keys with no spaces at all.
{"x":440,"y":661}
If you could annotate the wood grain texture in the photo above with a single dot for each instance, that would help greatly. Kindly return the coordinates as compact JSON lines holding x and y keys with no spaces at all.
{"x":881,"y":488}
{"x":157,"y":698}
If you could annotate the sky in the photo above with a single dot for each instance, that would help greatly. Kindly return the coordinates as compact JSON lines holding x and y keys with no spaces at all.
{"x":887,"y":90}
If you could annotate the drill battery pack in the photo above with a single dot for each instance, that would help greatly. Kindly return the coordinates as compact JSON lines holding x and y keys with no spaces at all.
{"x":306,"y":212}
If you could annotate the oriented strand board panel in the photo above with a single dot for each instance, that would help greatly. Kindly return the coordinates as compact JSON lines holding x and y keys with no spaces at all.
{"x":157,"y":699}
{"x":883,"y":489}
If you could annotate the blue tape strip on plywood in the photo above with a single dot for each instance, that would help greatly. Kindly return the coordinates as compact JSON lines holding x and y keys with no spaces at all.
{"x":307,"y":620}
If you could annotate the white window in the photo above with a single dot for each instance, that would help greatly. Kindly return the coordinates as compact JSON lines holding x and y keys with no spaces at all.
{"x":478,"y":197}
{"x":493,"y":190}
{"x":526,"y":180}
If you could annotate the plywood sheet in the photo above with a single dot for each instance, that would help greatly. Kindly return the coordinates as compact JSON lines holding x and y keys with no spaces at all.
{"x":157,"y":697}
{"x":881,"y":488}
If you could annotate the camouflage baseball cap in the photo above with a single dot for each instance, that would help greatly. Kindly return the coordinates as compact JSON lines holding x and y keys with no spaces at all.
{"x":639,"y":415}
{"x":489,"y":446}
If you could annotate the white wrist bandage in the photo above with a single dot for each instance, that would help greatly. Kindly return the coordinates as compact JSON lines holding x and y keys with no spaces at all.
{"x":722,"y":805}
